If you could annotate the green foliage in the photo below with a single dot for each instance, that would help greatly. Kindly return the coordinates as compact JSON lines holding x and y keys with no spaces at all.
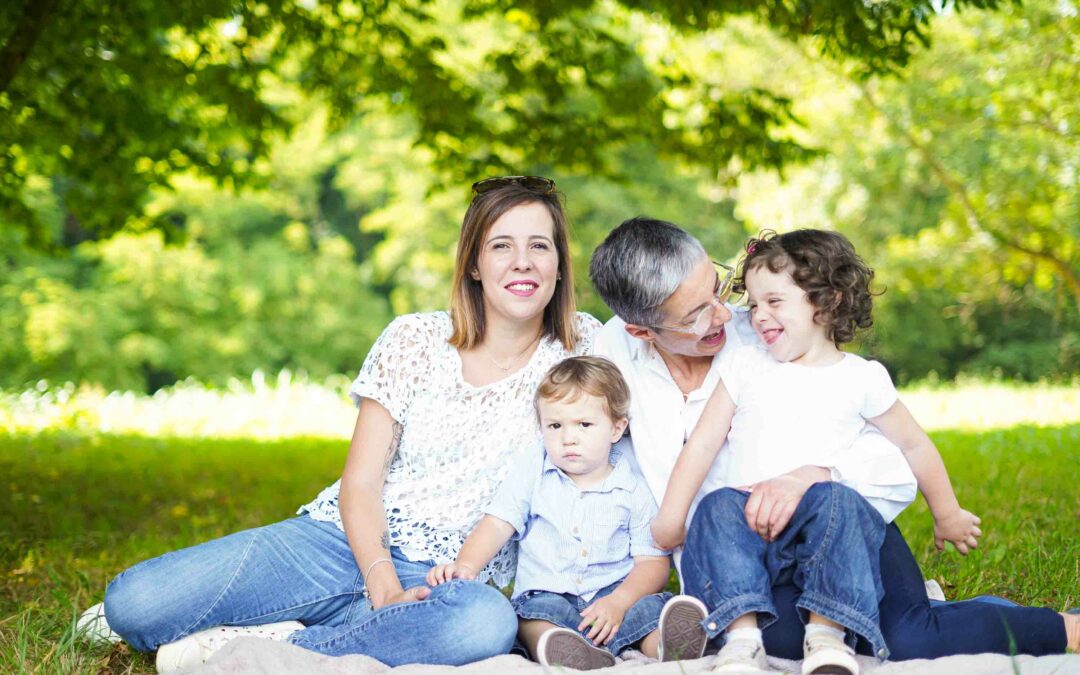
{"x":360,"y":127}
{"x":136,"y":314}
{"x":958,"y":183}
{"x":105,"y":100}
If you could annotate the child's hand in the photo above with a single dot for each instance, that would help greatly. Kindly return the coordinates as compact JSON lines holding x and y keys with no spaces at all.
{"x":667,"y":532}
{"x":440,"y":574}
{"x":959,"y":527}
{"x":605,"y":616}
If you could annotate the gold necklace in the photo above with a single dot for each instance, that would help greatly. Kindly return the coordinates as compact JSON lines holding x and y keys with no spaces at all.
{"x":510,"y":365}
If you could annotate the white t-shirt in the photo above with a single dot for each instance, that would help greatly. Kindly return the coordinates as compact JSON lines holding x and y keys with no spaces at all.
{"x":457,"y":440}
{"x":661,"y":420}
{"x":789,"y":415}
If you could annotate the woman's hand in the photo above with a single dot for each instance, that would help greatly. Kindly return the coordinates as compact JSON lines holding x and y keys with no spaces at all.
{"x":440,"y":574}
{"x":959,"y":527}
{"x":605,"y":616}
{"x":667,"y":532}
{"x":414,"y":594}
{"x":772,"y":503}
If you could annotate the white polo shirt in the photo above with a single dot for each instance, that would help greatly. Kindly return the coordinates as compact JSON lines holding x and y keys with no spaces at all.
{"x":661,"y":420}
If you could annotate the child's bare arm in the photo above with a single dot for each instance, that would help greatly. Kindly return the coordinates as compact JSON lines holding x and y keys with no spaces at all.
{"x":649,"y":575}
{"x":695,"y":460}
{"x":951,"y":523}
{"x":490,"y":535}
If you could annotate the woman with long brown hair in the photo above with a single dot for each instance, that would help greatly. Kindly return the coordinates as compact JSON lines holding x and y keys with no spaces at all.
{"x":445,"y":406}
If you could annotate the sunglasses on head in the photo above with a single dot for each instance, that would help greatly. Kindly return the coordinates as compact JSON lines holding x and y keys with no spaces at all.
{"x":534,"y":183}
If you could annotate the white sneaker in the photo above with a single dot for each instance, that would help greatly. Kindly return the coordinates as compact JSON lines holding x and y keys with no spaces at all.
{"x":93,"y":627}
{"x":197,"y":647}
{"x":741,"y":656}
{"x":934,"y":591}
{"x":681,"y":634}
{"x":828,"y":654}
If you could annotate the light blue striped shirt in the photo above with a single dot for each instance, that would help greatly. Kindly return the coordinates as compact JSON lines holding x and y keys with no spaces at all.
{"x":572,"y":540}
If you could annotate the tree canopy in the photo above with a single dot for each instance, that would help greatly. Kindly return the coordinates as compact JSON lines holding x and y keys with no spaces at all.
{"x":101,"y":101}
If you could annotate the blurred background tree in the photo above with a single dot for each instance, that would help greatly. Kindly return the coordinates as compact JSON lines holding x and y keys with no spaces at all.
{"x":205,"y":189}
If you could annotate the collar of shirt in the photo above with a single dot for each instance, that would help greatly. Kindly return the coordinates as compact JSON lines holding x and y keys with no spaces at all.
{"x":644,"y":354}
{"x":620,"y":478}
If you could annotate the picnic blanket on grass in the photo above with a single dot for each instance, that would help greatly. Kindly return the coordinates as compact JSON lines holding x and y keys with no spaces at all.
{"x":254,"y":656}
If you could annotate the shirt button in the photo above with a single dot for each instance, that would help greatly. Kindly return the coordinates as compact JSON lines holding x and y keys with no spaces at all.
{"x":881,"y":653}
{"x":584,"y":552}
{"x":575,"y":530}
{"x":712,"y":625}
{"x":578,"y":580}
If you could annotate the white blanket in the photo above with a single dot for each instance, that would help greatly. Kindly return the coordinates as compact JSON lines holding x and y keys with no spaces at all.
{"x":251,"y":655}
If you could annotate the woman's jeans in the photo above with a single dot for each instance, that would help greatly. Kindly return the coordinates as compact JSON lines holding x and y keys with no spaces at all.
{"x":303,"y":569}
{"x":564,"y":609}
{"x":830,"y":550}
{"x":913,"y":626}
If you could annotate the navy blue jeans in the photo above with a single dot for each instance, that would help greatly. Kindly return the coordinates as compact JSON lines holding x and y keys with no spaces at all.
{"x":830,"y":550}
{"x":915,"y":627}
{"x":564,"y":609}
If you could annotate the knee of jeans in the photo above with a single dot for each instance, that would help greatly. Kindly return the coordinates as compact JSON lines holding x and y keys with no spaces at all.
{"x":720,"y":508}
{"x":132,"y":608}
{"x":484,"y":620}
{"x":841,"y":495}
{"x":826,"y":492}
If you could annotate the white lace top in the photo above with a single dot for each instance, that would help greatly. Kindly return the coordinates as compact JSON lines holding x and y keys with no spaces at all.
{"x":457,"y":440}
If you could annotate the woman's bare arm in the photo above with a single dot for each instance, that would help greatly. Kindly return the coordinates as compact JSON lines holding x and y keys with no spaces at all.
{"x":374,"y":444}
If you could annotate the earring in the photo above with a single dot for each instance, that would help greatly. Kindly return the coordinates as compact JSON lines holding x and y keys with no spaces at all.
{"x":475,"y":274}
{"x":558,"y":276}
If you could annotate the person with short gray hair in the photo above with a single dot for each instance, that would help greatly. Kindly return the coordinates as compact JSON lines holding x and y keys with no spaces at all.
{"x":673,"y":328}
{"x":641,"y":267}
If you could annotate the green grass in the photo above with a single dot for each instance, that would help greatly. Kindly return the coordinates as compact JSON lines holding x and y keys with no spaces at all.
{"x":77,"y":509}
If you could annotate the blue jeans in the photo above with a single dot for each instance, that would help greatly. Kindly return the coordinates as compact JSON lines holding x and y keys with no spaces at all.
{"x":564,"y":609}
{"x":302,"y":569}
{"x":830,"y":550}
{"x":917,"y":628}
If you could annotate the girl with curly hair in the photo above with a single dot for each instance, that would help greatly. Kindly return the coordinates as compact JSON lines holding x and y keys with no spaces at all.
{"x":792,"y":400}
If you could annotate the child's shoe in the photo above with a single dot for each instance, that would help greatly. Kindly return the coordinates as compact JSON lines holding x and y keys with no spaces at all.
{"x":827,"y":654}
{"x":197,"y":647}
{"x":563,"y":647}
{"x":93,"y":627}
{"x":681,"y":634}
{"x":741,"y":656}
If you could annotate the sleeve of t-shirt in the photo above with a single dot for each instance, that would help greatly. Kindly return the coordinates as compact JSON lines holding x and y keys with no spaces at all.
{"x":512,"y":500}
{"x":733,"y":370}
{"x":879,"y":388}
{"x":393,"y":370}
{"x":643,"y":511}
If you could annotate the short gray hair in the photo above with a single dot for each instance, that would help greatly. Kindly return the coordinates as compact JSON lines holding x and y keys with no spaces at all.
{"x":640,"y":265}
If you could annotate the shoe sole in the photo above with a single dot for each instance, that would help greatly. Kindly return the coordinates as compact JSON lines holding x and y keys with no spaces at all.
{"x":681,"y":635}
{"x":565,"y":648}
{"x":838,"y":664}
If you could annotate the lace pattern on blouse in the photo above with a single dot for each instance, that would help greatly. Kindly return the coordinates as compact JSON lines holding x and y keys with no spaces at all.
{"x":457,"y":440}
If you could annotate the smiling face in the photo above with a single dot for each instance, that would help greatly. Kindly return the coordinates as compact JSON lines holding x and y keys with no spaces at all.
{"x":783,"y":317}
{"x":694,"y":295}
{"x":518,"y":264}
{"x":578,"y":434}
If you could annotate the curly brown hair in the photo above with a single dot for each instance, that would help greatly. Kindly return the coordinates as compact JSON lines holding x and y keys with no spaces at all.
{"x":826,"y":266}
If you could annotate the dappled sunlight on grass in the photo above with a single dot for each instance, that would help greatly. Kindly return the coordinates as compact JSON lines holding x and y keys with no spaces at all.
{"x":261,"y":407}
{"x":977,"y":405}
{"x":288,"y":406}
